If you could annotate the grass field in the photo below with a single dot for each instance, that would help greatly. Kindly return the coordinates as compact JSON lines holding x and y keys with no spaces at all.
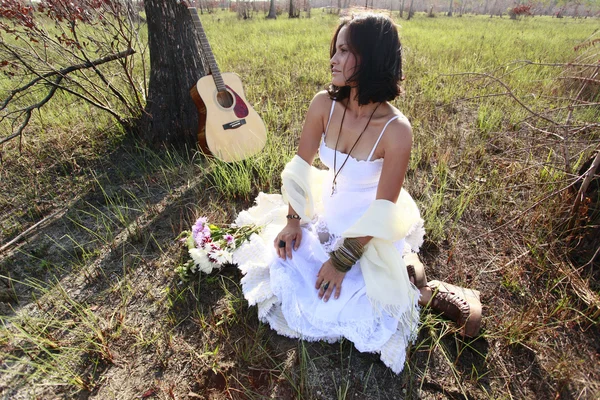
{"x":91,"y":306}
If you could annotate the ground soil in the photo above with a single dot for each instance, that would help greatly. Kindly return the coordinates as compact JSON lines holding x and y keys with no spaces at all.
{"x":168,"y":340}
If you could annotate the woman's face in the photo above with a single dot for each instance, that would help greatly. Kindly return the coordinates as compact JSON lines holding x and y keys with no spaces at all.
{"x":343,"y":63}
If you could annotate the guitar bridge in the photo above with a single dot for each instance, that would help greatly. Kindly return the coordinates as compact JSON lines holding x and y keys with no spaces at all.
{"x":234,"y":124}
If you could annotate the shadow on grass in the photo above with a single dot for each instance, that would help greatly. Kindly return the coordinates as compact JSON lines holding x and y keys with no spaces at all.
{"x":109,"y":251}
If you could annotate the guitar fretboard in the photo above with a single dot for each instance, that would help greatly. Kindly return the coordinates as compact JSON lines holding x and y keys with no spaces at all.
{"x":212,"y":63}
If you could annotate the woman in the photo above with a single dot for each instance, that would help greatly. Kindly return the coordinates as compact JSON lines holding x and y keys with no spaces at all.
{"x":339,"y":235}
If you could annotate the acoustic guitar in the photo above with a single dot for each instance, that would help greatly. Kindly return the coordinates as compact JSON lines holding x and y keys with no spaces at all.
{"x":229,"y":128}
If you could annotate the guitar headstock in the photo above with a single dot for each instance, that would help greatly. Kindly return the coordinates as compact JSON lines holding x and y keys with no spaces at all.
{"x":192,"y":8}
{"x":186,"y":3}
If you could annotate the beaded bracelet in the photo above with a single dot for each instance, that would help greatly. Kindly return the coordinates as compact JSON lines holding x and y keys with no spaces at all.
{"x":292,"y":216}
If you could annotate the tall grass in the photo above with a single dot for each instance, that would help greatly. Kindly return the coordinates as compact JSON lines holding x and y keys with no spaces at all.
{"x":485,"y":181}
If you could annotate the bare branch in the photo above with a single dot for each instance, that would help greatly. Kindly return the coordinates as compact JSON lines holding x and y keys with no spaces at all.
{"x":589,"y":176}
{"x":555,"y":64}
{"x":508,"y":90}
{"x":582,"y":78}
{"x":29,"y":109}
{"x":101,"y":75}
{"x":62,"y":73}
{"x":65,"y":71}
{"x":544,"y":131}
{"x":522,"y":213}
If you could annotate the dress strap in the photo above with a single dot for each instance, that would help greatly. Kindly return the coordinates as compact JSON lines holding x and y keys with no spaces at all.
{"x":380,"y":136}
{"x":329,"y":120}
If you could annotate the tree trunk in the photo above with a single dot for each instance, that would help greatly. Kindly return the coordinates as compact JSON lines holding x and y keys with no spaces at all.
{"x":450,"y":8}
{"x":175,"y":66}
{"x":411,"y":11}
{"x":272,"y":13}
{"x":402,"y":9}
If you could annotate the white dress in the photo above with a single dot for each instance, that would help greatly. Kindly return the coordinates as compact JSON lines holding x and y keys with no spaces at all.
{"x":284,"y":290}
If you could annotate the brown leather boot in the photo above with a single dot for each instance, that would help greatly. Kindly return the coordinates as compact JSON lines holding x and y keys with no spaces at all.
{"x":416,"y":269}
{"x":458,"y":304}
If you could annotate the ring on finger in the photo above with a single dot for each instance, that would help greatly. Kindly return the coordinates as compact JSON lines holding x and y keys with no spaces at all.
{"x":325,"y":285}
{"x":281,"y":244}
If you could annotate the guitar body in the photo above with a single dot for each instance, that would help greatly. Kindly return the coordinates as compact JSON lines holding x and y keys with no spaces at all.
{"x":229,"y":128}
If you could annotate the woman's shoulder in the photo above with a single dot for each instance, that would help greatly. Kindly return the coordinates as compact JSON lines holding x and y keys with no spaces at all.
{"x":399,"y":131}
{"x":319,"y":107}
{"x":322,"y":98}
{"x":395,"y":112}
{"x":398,"y":122}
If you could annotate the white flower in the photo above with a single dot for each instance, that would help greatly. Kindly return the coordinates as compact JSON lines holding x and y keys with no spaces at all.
{"x":221,"y":256}
{"x":200,"y":258}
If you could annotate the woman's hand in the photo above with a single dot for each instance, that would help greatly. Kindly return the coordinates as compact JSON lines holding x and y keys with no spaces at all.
{"x":329,"y":278}
{"x":289,"y":237}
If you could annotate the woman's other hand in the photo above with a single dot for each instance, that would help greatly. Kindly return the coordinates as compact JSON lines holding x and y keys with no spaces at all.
{"x":328,"y":274}
{"x":289,"y":237}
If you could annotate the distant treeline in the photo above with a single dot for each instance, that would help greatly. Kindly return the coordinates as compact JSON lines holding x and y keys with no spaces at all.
{"x":557,"y":8}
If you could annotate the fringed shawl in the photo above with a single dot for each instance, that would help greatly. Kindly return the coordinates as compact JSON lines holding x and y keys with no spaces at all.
{"x":387,"y":284}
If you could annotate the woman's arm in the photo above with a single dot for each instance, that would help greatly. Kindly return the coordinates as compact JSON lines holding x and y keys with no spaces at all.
{"x":310,"y":139}
{"x":314,"y":126}
{"x":396,"y":144}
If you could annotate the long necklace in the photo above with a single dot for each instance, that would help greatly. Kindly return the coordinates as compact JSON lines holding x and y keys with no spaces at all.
{"x":336,"y":173}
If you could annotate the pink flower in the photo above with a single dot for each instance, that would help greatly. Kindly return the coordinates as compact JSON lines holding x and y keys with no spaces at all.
{"x":230,"y":240}
{"x":199,"y":231}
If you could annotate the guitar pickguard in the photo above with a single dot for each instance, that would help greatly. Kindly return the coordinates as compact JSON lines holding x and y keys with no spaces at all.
{"x":240,"y":109}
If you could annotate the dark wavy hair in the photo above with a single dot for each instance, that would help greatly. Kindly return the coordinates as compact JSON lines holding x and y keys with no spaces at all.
{"x":373,"y":40}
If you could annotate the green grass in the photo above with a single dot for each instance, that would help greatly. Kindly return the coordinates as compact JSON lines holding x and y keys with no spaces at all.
{"x":96,"y":289}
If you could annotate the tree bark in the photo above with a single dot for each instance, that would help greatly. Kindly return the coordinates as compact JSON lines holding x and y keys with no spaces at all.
{"x":450,"y":8}
{"x":411,"y":11}
{"x":272,"y":13}
{"x":170,"y":116}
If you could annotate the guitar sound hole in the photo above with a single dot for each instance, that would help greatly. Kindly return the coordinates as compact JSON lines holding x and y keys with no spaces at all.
{"x":225,"y":99}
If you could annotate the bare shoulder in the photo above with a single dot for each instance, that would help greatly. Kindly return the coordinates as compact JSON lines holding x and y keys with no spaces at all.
{"x":398,"y":136}
{"x":322,"y":95}
{"x":318,"y":112}
{"x":321,"y":101}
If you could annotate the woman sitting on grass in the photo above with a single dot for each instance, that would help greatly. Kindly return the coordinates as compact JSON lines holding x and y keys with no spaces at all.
{"x":340,"y":235}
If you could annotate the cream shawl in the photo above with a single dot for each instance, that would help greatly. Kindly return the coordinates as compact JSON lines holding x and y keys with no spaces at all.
{"x":387,"y":284}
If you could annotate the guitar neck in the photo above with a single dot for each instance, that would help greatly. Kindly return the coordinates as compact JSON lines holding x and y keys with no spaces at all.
{"x":212,"y":63}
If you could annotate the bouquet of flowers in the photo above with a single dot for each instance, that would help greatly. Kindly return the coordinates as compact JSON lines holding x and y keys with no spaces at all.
{"x":210,"y":246}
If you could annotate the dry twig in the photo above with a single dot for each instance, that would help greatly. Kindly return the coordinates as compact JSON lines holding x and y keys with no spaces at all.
{"x":54,"y":86}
